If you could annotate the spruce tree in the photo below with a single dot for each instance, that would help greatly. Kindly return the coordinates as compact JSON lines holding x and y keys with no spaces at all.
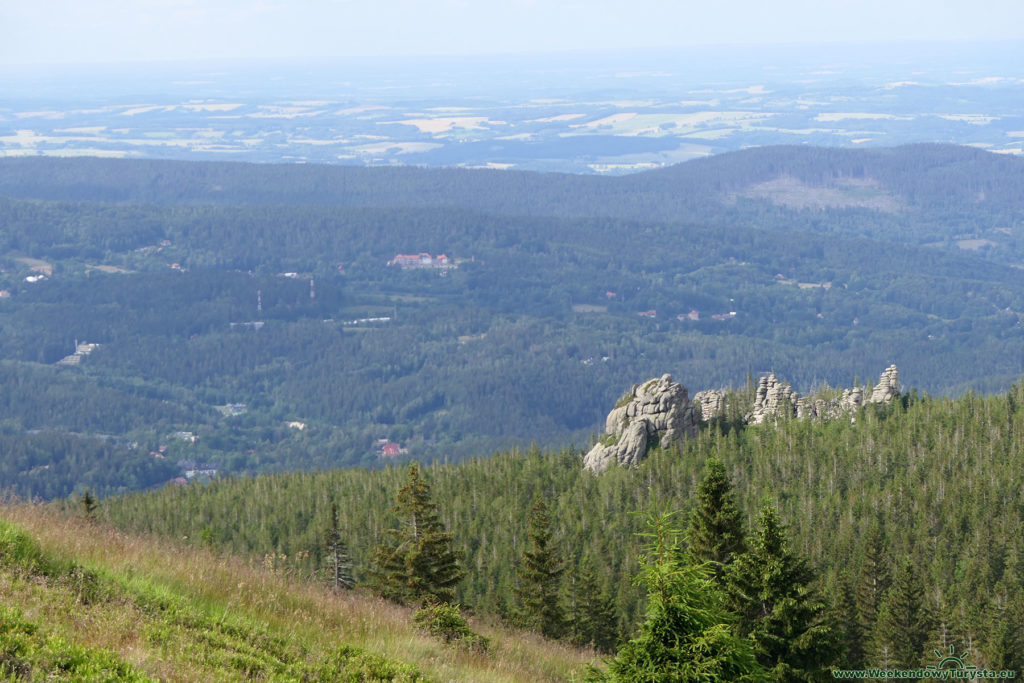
{"x":339,"y":565}
{"x":594,"y":621}
{"x":540,"y":577}
{"x":715,"y":533}
{"x":873,"y":581}
{"x":687,"y":634}
{"x":847,"y":623}
{"x":1004,"y":642}
{"x":89,"y":504}
{"x":419,"y":565}
{"x":903,"y":622}
{"x":773,"y":591}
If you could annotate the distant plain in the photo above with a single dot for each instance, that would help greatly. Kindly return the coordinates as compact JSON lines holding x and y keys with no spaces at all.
{"x":578,"y":113}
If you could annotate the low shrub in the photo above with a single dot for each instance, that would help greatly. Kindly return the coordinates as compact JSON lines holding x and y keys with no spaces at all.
{"x":446,"y":622}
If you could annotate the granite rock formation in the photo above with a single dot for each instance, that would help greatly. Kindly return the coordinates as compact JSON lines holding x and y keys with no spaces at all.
{"x":776,"y":398}
{"x":712,"y":403}
{"x":773,"y":399}
{"x":888,"y":386}
{"x":657,"y":411}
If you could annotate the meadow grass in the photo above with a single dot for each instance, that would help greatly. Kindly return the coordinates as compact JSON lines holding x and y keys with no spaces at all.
{"x":168,"y":610}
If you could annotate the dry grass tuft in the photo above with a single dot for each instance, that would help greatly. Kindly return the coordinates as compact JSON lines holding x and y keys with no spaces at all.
{"x":295,"y":618}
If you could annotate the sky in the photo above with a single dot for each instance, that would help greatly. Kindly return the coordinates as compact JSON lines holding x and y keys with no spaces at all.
{"x":88,"y":31}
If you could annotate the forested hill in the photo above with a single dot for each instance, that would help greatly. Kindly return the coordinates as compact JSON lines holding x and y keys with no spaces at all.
{"x":920,"y":194}
{"x":254,"y":318}
{"x":930,"y":482}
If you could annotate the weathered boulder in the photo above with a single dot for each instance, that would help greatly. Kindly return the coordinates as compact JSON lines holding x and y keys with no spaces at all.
{"x":773,"y":399}
{"x":659,"y":410}
{"x":888,"y":386}
{"x":711,"y":403}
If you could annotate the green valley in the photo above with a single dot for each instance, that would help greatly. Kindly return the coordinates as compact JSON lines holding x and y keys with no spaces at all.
{"x":243,"y":318}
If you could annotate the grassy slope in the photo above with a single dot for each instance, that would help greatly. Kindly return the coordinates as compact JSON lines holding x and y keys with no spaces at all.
{"x":81,"y":601}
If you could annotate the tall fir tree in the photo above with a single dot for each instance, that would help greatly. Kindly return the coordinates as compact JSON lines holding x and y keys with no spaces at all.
{"x":419,"y":565}
{"x":847,"y":623}
{"x":1004,"y":639}
{"x":773,"y":590}
{"x":873,"y":579}
{"x":593,"y":618}
{"x":539,"y":592}
{"x":715,"y":533}
{"x":903,"y":621}
{"x":89,"y":504}
{"x":339,"y":564}
{"x":687,"y":633}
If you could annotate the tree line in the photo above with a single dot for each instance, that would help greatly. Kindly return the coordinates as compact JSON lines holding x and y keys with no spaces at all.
{"x":875,"y":525}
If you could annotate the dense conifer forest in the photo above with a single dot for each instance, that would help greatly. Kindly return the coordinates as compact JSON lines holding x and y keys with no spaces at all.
{"x":246,"y":318}
{"x":234,"y":336}
{"x":902,"y":529}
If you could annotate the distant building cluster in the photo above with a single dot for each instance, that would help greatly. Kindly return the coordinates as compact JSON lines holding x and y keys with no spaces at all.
{"x":421,"y":260}
{"x":389,"y":449}
{"x":232,"y":409}
{"x":81,"y":349}
{"x":192,"y":470}
{"x":694,"y":316}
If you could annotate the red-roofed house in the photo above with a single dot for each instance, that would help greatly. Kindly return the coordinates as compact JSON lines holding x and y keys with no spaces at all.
{"x":406,"y":260}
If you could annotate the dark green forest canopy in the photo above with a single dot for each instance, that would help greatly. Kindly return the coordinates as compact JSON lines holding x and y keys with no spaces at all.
{"x":531,"y":338}
{"x":930,"y":481}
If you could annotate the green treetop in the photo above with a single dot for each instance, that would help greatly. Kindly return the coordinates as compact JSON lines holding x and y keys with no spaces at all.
{"x":540,"y":573}
{"x":339,"y":564}
{"x":715,"y":534}
{"x":594,"y":621}
{"x":419,"y":565}
{"x":773,"y":590}
{"x":687,"y":634}
{"x":873,"y":581}
{"x":903,"y":620}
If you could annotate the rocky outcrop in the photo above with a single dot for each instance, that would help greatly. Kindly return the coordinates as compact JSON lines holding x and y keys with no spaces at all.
{"x":711,"y":403}
{"x":888,"y":386}
{"x":772,"y":400}
{"x":657,"y":411}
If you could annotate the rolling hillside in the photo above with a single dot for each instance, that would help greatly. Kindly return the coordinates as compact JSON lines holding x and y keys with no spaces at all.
{"x":245,"y":318}
{"x":85,"y":602}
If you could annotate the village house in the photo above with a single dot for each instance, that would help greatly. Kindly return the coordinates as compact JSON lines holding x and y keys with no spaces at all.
{"x":421,"y":260}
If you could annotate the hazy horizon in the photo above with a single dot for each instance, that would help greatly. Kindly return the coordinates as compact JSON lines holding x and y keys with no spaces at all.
{"x":117,"y":31}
